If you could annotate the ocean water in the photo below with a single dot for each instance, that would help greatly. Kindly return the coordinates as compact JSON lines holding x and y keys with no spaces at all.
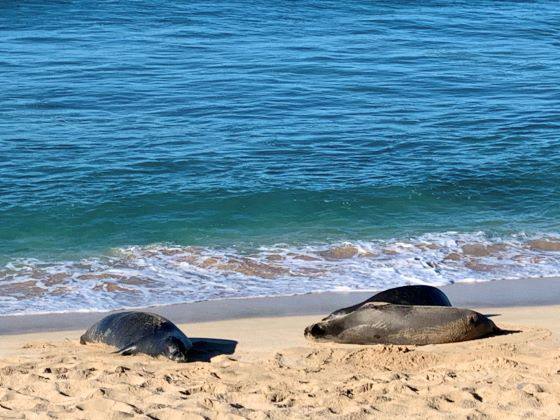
{"x":155,"y":152}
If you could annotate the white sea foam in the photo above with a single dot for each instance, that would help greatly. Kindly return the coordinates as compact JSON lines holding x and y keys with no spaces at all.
{"x":163,"y":274}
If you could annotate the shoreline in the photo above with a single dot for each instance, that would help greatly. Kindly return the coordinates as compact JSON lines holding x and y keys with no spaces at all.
{"x":492,"y":294}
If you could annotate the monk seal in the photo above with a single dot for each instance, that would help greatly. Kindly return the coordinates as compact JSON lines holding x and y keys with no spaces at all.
{"x":385,"y":323}
{"x":140,"y":332}
{"x":404,"y":295}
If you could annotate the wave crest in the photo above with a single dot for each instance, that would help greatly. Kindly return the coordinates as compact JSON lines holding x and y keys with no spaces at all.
{"x":158,"y":274}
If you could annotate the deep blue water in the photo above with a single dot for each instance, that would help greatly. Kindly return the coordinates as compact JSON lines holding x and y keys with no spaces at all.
{"x":245,"y":124}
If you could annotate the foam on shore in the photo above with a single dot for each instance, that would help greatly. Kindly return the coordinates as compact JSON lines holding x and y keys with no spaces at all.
{"x":164,"y":274}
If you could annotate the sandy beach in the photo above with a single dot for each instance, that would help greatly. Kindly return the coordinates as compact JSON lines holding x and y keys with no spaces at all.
{"x":241,"y":170}
{"x":262,"y":367}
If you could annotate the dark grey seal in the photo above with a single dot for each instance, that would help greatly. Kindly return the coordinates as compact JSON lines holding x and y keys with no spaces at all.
{"x":140,"y":332}
{"x":385,"y":323}
{"x":404,"y":295}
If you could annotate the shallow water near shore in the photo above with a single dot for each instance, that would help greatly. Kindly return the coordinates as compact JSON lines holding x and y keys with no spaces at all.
{"x":165,"y":274}
{"x":157,"y":152}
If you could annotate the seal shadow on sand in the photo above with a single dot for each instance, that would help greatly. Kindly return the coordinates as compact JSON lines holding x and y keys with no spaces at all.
{"x":204,"y":349}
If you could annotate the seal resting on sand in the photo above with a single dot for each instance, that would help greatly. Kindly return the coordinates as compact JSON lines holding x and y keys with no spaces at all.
{"x":404,"y":295}
{"x":385,"y":323}
{"x":140,"y":332}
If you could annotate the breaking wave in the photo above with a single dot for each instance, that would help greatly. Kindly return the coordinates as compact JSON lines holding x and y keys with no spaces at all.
{"x":161,"y":274}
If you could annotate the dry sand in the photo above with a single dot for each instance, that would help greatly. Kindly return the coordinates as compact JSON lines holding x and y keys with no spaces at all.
{"x":276,"y":373}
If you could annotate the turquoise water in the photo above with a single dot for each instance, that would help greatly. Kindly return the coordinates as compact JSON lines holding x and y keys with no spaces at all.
{"x":131,"y":132}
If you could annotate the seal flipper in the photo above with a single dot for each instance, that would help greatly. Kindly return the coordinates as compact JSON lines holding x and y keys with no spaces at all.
{"x":129,"y":350}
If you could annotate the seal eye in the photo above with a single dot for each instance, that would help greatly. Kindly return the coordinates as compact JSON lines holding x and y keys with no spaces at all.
{"x":473,"y":320}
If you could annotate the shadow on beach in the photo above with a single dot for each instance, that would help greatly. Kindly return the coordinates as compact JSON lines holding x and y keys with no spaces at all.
{"x":504,"y":332}
{"x":204,"y":349}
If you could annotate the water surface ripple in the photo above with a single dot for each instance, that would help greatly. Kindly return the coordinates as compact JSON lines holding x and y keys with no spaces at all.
{"x":248,"y":124}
